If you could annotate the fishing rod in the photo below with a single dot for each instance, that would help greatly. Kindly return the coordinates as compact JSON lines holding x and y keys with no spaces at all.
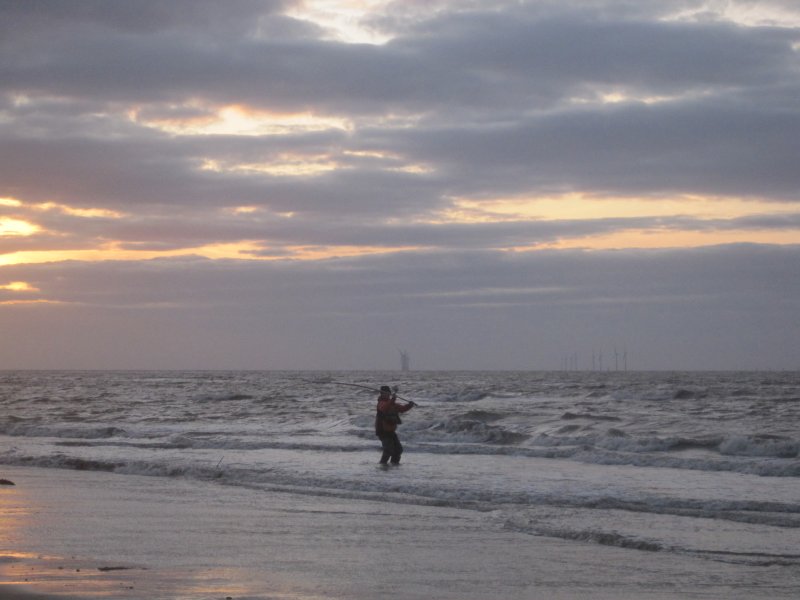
{"x":366,"y":387}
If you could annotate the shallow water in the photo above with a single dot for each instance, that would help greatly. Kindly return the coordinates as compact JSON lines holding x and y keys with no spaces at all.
{"x":697,"y":464}
{"x":112,"y":536}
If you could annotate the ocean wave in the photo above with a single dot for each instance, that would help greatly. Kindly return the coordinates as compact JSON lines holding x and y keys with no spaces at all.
{"x":581,"y":525}
{"x":463,"y":429}
{"x":465,"y":395}
{"x":760,"y":445}
{"x":487,"y":416}
{"x":590,"y":416}
{"x":687,"y":394}
{"x":232,"y":397}
{"x":188,"y":442}
{"x":757,"y":559}
{"x":432,"y":447}
{"x":603,"y":538}
{"x":471,"y":492}
{"x":617,"y":440}
{"x":772,"y":467}
{"x":26,"y":428}
{"x":61,"y":461}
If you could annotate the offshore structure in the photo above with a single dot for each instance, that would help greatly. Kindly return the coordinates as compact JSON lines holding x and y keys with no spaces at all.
{"x":405,"y":361}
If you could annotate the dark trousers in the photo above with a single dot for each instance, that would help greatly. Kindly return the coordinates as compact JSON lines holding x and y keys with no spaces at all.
{"x":392,"y":448}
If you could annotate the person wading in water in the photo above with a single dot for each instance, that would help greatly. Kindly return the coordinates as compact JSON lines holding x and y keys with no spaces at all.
{"x":386,"y":421}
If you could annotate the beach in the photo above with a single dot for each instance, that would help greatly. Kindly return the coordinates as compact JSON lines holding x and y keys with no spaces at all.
{"x":99,"y":535}
{"x":265,"y":485}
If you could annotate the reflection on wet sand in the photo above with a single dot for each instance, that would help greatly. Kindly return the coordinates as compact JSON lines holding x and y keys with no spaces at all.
{"x":31,"y":575}
{"x":87,"y":578}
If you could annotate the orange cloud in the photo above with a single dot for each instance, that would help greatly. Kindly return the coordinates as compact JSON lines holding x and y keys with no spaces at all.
{"x":233,"y":119}
{"x":585,"y":206}
{"x":17,"y":227}
{"x":87,"y":213}
{"x":654,"y":239}
{"x":18,"y":286}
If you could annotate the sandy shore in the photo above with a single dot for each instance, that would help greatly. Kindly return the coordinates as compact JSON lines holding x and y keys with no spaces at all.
{"x":101,"y":535}
{"x":8,"y":592}
{"x":11,"y":593}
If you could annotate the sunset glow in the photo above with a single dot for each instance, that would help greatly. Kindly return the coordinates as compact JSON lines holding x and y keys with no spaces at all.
{"x":654,"y":239}
{"x":282,"y":166}
{"x":112,"y":251}
{"x":274,"y":163}
{"x":233,"y":120}
{"x":16,"y":227}
{"x":18,"y":286}
{"x":343,"y":19}
{"x":566,"y":231}
{"x":579,"y":206}
{"x":87,"y":213}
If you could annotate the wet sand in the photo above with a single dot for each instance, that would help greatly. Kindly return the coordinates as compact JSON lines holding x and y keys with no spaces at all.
{"x":101,"y":535}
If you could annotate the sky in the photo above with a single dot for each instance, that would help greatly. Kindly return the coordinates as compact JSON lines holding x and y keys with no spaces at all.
{"x":320,"y":184}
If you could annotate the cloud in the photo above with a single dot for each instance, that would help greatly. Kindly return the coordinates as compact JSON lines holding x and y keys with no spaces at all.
{"x":708,"y":147}
{"x":29,"y":17}
{"x":513,"y":60}
{"x":453,"y":310}
{"x":243,"y":145}
{"x":497,"y":90}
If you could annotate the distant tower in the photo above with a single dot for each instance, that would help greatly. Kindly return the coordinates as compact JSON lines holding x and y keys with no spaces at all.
{"x":405,"y":361}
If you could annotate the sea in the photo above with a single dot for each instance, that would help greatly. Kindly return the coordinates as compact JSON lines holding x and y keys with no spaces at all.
{"x":704,"y":464}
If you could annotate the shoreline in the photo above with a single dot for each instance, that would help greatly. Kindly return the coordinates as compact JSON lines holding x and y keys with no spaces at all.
{"x":78,"y":534}
{"x":16,"y":593}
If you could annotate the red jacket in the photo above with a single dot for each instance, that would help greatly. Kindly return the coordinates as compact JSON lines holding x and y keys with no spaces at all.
{"x":388,"y":416}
